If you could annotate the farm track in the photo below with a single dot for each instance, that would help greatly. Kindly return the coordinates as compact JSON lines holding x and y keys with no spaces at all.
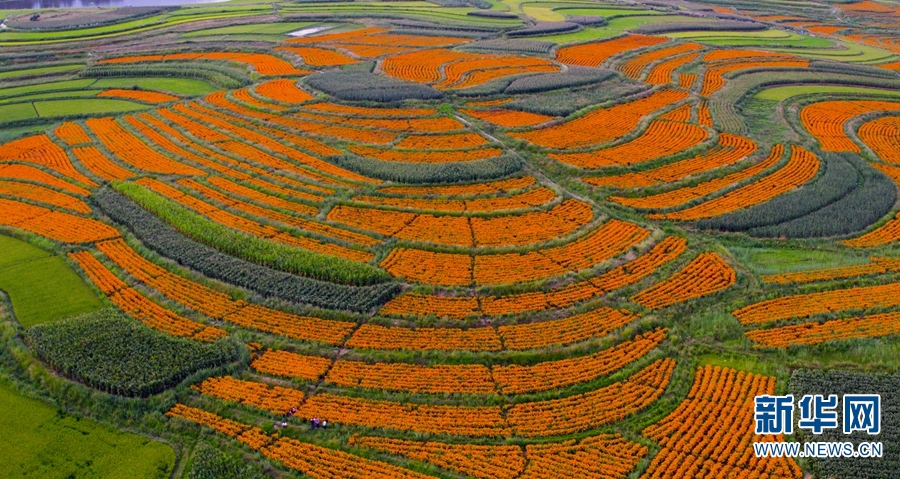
{"x":527,"y":164}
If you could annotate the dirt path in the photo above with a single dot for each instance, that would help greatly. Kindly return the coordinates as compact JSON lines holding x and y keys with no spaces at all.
{"x":528,"y":166}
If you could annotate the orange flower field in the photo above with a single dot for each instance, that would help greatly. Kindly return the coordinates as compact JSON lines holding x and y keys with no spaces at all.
{"x":449,"y":239}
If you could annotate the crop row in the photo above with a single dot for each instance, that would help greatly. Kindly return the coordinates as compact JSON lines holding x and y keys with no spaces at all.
{"x":866,"y":326}
{"x":41,"y":151}
{"x":137,"y":305}
{"x":481,"y":188}
{"x":662,"y":138}
{"x":531,"y":419}
{"x":33,"y":175}
{"x":72,"y":134}
{"x":441,"y":124}
{"x":876,"y":266}
{"x":509,"y":118}
{"x":314,"y":461}
{"x":601,"y":456}
{"x":730,"y":149}
{"x":826,"y":120}
{"x":686,"y":194}
{"x":264,"y":64}
{"x":802,"y":167}
{"x":133,"y":151}
{"x":506,"y":230}
{"x":459,"y":269}
{"x":714,"y":79}
{"x":462,"y":378}
{"x":56,"y":225}
{"x":709,"y":435}
{"x":528,"y":199}
{"x":603,"y":124}
{"x":268,"y":282}
{"x":661,"y":74}
{"x":36,"y":193}
{"x":97,"y":163}
{"x":706,"y":274}
{"x":633,"y":67}
{"x":805,"y":305}
{"x":593,"y":54}
{"x":283,"y":91}
{"x":219,"y":305}
{"x":416,"y":304}
{"x":225,"y":218}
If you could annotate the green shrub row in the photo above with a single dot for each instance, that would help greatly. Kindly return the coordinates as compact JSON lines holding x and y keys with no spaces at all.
{"x":268,"y":282}
{"x":430,"y":172}
{"x":253,"y":248}
{"x":119,"y":355}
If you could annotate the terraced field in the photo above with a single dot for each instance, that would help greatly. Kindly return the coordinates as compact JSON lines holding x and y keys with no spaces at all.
{"x":490,"y":239}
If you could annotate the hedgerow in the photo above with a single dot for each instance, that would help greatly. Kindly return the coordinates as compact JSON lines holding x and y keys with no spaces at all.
{"x":838,"y":180}
{"x":441,"y":31}
{"x":362,"y":86}
{"x":430,"y":172}
{"x":225,"y":77}
{"x":253,"y":248}
{"x":209,"y":463}
{"x":118,"y":355}
{"x":490,"y":88}
{"x":671,"y":27}
{"x":451,"y":3}
{"x":483,"y":4}
{"x":168,"y":242}
{"x":588,"y":20}
{"x":852,"y":69}
{"x":857,"y":210}
{"x":492,"y":14}
{"x":476,"y":31}
{"x":807,"y":381}
{"x":544,"y":28}
{"x":508,"y":46}
{"x":573,"y":77}
{"x":566,"y":102}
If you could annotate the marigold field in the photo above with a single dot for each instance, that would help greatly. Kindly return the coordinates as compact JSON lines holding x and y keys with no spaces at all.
{"x":450,"y":239}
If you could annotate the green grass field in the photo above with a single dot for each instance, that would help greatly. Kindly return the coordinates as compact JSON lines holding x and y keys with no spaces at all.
{"x":844,"y":52}
{"x":38,"y":442}
{"x":585,"y":35}
{"x":616,"y":26}
{"x":178,"y":86}
{"x":45,"y":87}
{"x":7,"y":134}
{"x":70,"y":97}
{"x":765,"y":38}
{"x":90,"y":87}
{"x":7,"y":75}
{"x":784,"y":92}
{"x":252,"y":28}
{"x":61,"y":108}
{"x":134,"y":26}
{"x":17,"y":112}
{"x":774,"y":261}
{"x":51,"y":96}
{"x":544,"y":14}
{"x":606,"y":12}
{"x":42,"y":287}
